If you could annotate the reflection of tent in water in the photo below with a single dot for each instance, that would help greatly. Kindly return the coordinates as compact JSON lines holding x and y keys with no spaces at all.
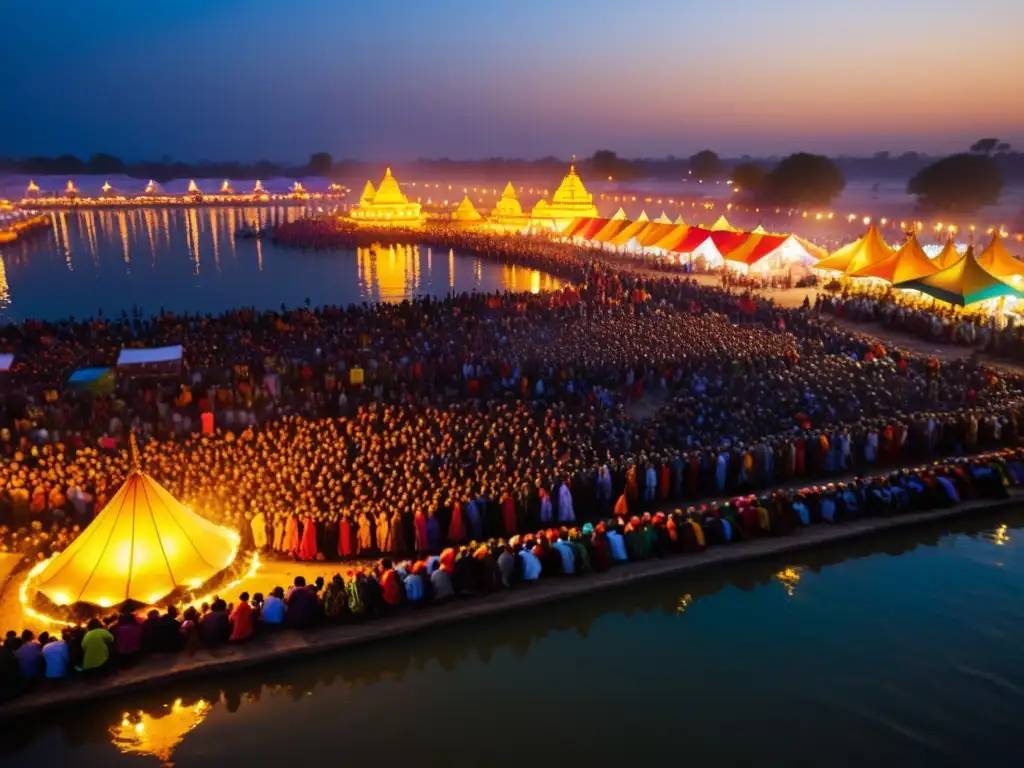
{"x":142,"y":547}
{"x":158,"y":734}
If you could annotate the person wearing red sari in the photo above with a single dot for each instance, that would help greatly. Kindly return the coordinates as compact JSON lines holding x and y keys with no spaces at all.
{"x":420,"y":526}
{"x":664,"y":481}
{"x":508,"y":514}
{"x":307,"y":548}
{"x":456,"y":528}
{"x":344,"y":537}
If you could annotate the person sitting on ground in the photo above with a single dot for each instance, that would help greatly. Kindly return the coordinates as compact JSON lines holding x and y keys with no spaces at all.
{"x":335,"y":599}
{"x":303,"y":605}
{"x":241,"y":620}
{"x":96,"y":648}
{"x":189,"y":631}
{"x":30,"y":658}
{"x":151,"y":632}
{"x":273,"y":611}
{"x":215,"y":626}
{"x":127,"y":639}
{"x":170,"y":637}
{"x":56,"y":657}
{"x":390,"y":583}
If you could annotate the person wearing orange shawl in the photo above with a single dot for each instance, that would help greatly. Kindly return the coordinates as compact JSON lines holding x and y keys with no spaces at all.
{"x":307,"y":548}
{"x":390,"y":584}
{"x":396,"y":535}
{"x":291,"y":534}
{"x":241,"y":620}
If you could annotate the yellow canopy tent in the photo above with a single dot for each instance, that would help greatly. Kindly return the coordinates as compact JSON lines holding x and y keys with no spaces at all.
{"x":142,"y":547}
{"x":759,"y":230}
{"x":679,"y":221}
{"x":964,"y":283}
{"x":948,"y":256}
{"x":466,"y":213}
{"x":575,"y":226}
{"x":663,"y":219}
{"x":723,"y":225}
{"x":628,"y":233}
{"x":997,"y":260}
{"x":654,"y":233}
{"x":839,"y":261}
{"x":619,"y":215}
{"x":609,"y":230}
{"x":871,"y":249}
{"x":910,"y":262}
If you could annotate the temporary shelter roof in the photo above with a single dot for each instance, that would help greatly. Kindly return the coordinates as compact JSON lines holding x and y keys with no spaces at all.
{"x":997,"y":260}
{"x":679,"y":220}
{"x":695,"y":236}
{"x":575,"y":226}
{"x":839,"y":261}
{"x":652,"y":234}
{"x":369,"y":192}
{"x":948,"y":256}
{"x":663,"y":219}
{"x":593,"y":227}
{"x":609,"y":230}
{"x":966,"y":282}
{"x":628,"y":233}
{"x":673,"y":238}
{"x":142,"y":547}
{"x":643,"y":217}
{"x":817,"y":253}
{"x":871,"y":249}
{"x":726,"y":242}
{"x":759,"y":230}
{"x":619,"y":215}
{"x":754,"y":248}
{"x":723,"y":225}
{"x":910,"y":262}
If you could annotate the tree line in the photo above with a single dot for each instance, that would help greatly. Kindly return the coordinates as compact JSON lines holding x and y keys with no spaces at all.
{"x":961,"y":182}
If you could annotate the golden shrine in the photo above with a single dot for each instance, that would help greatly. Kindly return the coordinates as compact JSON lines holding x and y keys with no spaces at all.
{"x":508,"y":213}
{"x":388,"y":205}
{"x":570,"y":201}
{"x":466,"y":215}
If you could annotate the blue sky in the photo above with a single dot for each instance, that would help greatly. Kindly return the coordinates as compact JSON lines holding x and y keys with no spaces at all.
{"x":252,"y":79}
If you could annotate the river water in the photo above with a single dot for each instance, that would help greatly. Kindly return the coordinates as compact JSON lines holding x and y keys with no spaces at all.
{"x":901,"y":650}
{"x":189,"y":260}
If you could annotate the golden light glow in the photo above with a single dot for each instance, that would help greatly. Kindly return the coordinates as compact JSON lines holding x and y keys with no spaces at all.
{"x":193,"y":188}
{"x":789,"y":577}
{"x":158,"y":734}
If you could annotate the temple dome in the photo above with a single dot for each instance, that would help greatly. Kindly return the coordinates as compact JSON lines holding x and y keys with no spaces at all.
{"x":466,"y":212}
{"x":389,"y":193}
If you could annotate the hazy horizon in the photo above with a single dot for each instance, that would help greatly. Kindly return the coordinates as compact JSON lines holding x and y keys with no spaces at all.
{"x":392,"y":83}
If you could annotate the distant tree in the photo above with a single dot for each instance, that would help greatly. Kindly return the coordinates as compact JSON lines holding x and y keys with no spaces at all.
{"x":68,"y":164}
{"x":989,"y":146}
{"x":604,"y":162}
{"x":964,"y":182}
{"x":105,"y":164}
{"x":706,"y":164}
{"x":803,"y":179}
{"x":320,"y":164}
{"x":749,"y":177}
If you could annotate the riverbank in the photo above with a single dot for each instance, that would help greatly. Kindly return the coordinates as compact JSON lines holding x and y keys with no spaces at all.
{"x":286,"y":645}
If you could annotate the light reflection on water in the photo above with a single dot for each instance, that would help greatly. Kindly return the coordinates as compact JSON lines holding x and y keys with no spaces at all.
{"x":897,"y":650}
{"x":189,"y":260}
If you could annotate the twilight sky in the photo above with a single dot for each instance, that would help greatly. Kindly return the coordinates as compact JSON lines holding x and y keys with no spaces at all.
{"x":393,"y":80}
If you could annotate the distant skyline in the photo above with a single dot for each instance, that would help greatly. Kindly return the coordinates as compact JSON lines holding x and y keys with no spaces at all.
{"x":394,"y":81}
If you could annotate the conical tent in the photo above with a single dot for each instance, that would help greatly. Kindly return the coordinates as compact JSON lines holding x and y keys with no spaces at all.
{"x":619,"y":215}
{"x":723,"y":225}
{"x":910,"y":262}
{"x":997,"y":260}
{"x":964,"y":283}
{"x":663,"y":219}
{"x":142,"y":547}
{"x":643,"y":217}
{"x":679,"y":221}
{"x":759,"y":230}
{"x":948,"y":256}
{"x":839,"y":261}
{"x":466,"y":212}
{"x":871,"y":249}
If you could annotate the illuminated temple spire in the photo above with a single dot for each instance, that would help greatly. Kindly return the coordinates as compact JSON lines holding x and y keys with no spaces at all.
{"x":388,"y":205}
{"x":570,"y":201}
{"x":368,"y":194}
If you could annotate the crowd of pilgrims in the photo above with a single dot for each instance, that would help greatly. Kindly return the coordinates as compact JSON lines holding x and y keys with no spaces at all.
{"x":400,"y":429}
{"x":491,"y":566}
{"x":998,"y":334}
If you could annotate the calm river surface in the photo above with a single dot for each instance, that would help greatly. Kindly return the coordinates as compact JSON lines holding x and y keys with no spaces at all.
{"x":188,"y":260}
{"x":901,"y":650}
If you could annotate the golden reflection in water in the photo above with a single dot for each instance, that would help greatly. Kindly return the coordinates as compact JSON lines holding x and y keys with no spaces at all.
{"x":232,"y":228}
{"x":1000,"y":537}
{"x":192,"y":234}
{"x":213,"y":232}
{"x":451,"y":269}
{"x":167,"y":228}
{"x":520,"y":279}
{"x":122,"y":228}
{"x":430,"y":262}
{"x":259,"y":252}
{"x":478,"y":270}
{"x":63,"y":218}
{"x":158,"y":735}
{"x":148,"y":216}
{"x":5,"y":291}
{"x":789,"y":577}
{"x":89,"y":220}
{"x":684,"y":602}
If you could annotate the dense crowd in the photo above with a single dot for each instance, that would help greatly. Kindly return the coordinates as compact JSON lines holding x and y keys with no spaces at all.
{"x":484,"y":568}
{"x":402,"y":430}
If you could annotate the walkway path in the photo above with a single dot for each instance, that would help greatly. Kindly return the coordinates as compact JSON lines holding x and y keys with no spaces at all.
{"x":160,"y":670}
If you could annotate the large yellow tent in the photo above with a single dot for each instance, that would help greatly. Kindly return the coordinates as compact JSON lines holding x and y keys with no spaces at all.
{"x":679,"y":221}
{"x":466,"y":213}
{"x":966,"y":282}
{"x":673,"y":238}
{"x":759,"y":230}
{"x":948,"y":256}
{"x":839,"y":261}
{"x":142,"y":547}
{"x":663,"y":219}
{"x":871,"y":249}
{"x":654,"y":233}
{"x":629,"y":232}
{"x":997,"y":260}
{"x":609,"y":230}
{"x":619,"y":214}
{"x":723,"y":225}
{"x":910,"y":262}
